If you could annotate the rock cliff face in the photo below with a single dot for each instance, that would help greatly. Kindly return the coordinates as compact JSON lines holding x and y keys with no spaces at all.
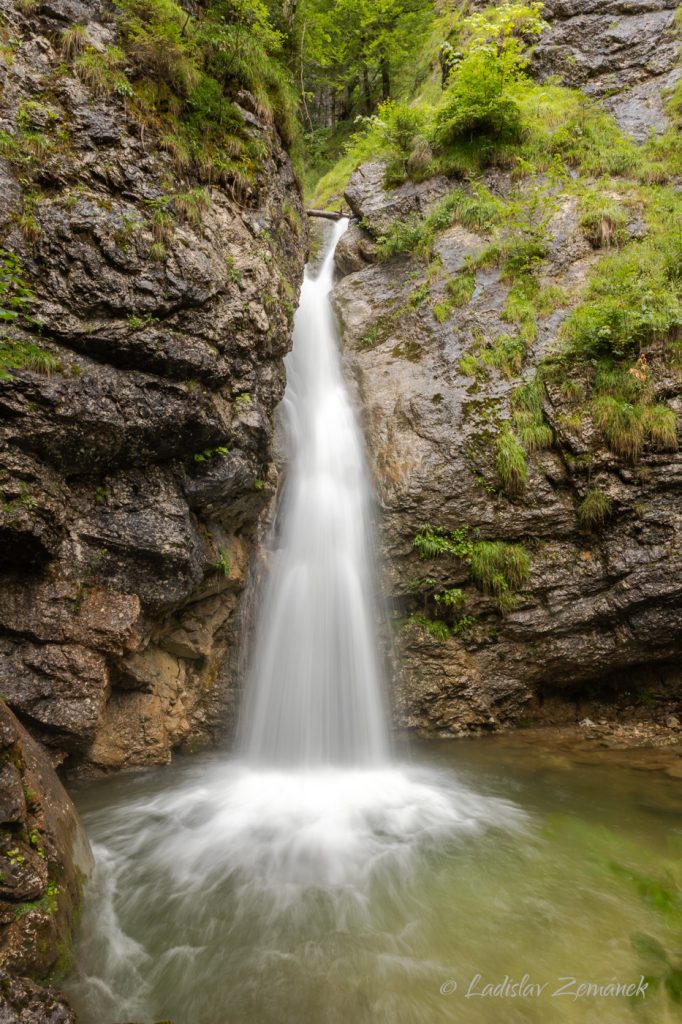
{"x":136,"y":418}
{"x":601,"y":611}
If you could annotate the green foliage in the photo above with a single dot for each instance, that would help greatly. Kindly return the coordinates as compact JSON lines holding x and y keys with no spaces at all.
{"x":480,"y":101}
{"x":73,"y":40}
{"x":103,"y":71}
{"x":434,"y":627}
{"x":211,"y":453}
{"x":497,"y":568}
{"x":627,"y":425}
{"x":510,"y":463}
{"x":481,"y":95}
{"x":15,"y":294}
{"x":528,"y":417}
{"x":451,"y":599}
{"x":222,"y":564}
{"x":47,"y":904}
{"x":595,"y":508}
{"x":179,"y":71}
{"x":602,"y":220}
{"x":190,"y":206}
{"x":473,"y":208}
{"x":16,"y":297}
{"x":635,"y":295}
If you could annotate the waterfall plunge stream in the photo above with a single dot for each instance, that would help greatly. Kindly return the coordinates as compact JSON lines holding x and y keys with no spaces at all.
{"x":257,"y":888}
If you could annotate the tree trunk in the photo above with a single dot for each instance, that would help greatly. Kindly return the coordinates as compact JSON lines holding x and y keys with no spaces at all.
{"x":367,"y":91}
{"x":385,"y":79}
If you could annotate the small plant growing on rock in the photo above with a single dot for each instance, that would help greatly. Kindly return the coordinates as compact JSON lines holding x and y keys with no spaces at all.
{"x":510,"y":463}
{"x":73,"y":41}
{"x":603,"y":221}
{"x":595,"y":509}
{"x":222,"y":564}
{"x":500,"y":569}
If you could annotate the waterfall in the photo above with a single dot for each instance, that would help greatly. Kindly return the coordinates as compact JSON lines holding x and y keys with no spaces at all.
{"x":261,"y":887}
{"x":315,"y":689}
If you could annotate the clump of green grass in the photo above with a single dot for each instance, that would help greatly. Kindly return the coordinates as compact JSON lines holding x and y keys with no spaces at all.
{"x":510,"y":463}
{"x":103,"y":71}
{"x":603,"y":220}
{"x":190,"y":206}
{"x":73,"y":40}
{"x":476,"y":209}
{"x":595,"y":509}
{"x":24,"y":355}
{"x":627,"y":425}
{"x":436,"y":628}
{"x":500,"y":569}
{"x":621,"y":423}
{"x":660,"y":424}
{"x":528,"y":417}
{"x":461,"y":289}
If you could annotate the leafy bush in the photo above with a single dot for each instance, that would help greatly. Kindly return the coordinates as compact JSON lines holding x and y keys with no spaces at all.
{"x":400,"y":125}
{"x":479,"y":101}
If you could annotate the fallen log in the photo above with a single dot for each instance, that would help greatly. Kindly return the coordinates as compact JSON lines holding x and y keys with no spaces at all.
{"x":325,"y":214}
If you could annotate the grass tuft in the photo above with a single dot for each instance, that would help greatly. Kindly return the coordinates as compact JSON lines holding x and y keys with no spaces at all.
{"x":510,"y":463}
{"x":595,"y":509}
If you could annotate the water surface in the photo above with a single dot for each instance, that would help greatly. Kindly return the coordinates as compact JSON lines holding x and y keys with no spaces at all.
{"x":227,"y":896}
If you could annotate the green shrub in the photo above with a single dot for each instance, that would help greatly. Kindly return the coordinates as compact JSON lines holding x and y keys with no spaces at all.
{"x":400,"y":125}
{"x":479,"y":100}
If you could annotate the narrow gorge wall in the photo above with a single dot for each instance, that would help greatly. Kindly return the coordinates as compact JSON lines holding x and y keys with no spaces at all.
{"x":136,"y":406}
{"x":596,"y":627}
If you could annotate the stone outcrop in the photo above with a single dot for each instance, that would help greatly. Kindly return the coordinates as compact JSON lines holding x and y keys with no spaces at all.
{"x":625,"y":52}
{"x":135,"y":443}
{"x":44,"y":858}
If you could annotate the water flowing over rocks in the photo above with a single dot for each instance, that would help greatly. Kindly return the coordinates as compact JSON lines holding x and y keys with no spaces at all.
{"x":133,"y":472}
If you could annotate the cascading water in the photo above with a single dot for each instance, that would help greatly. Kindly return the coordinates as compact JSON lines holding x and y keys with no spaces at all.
{"x":258,"y":888}
{"x":315,"y":690}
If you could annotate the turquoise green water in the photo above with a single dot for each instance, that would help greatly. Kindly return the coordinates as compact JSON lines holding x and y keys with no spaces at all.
{"x":220,"y":900}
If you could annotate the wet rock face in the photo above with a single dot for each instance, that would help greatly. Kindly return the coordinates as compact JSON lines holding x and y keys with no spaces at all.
{"x":135,"y":453}
{"x":24,"y":1002}
{"x":599,"y":604}
{"x":621,"y":50}
{"x":44,"y":858}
